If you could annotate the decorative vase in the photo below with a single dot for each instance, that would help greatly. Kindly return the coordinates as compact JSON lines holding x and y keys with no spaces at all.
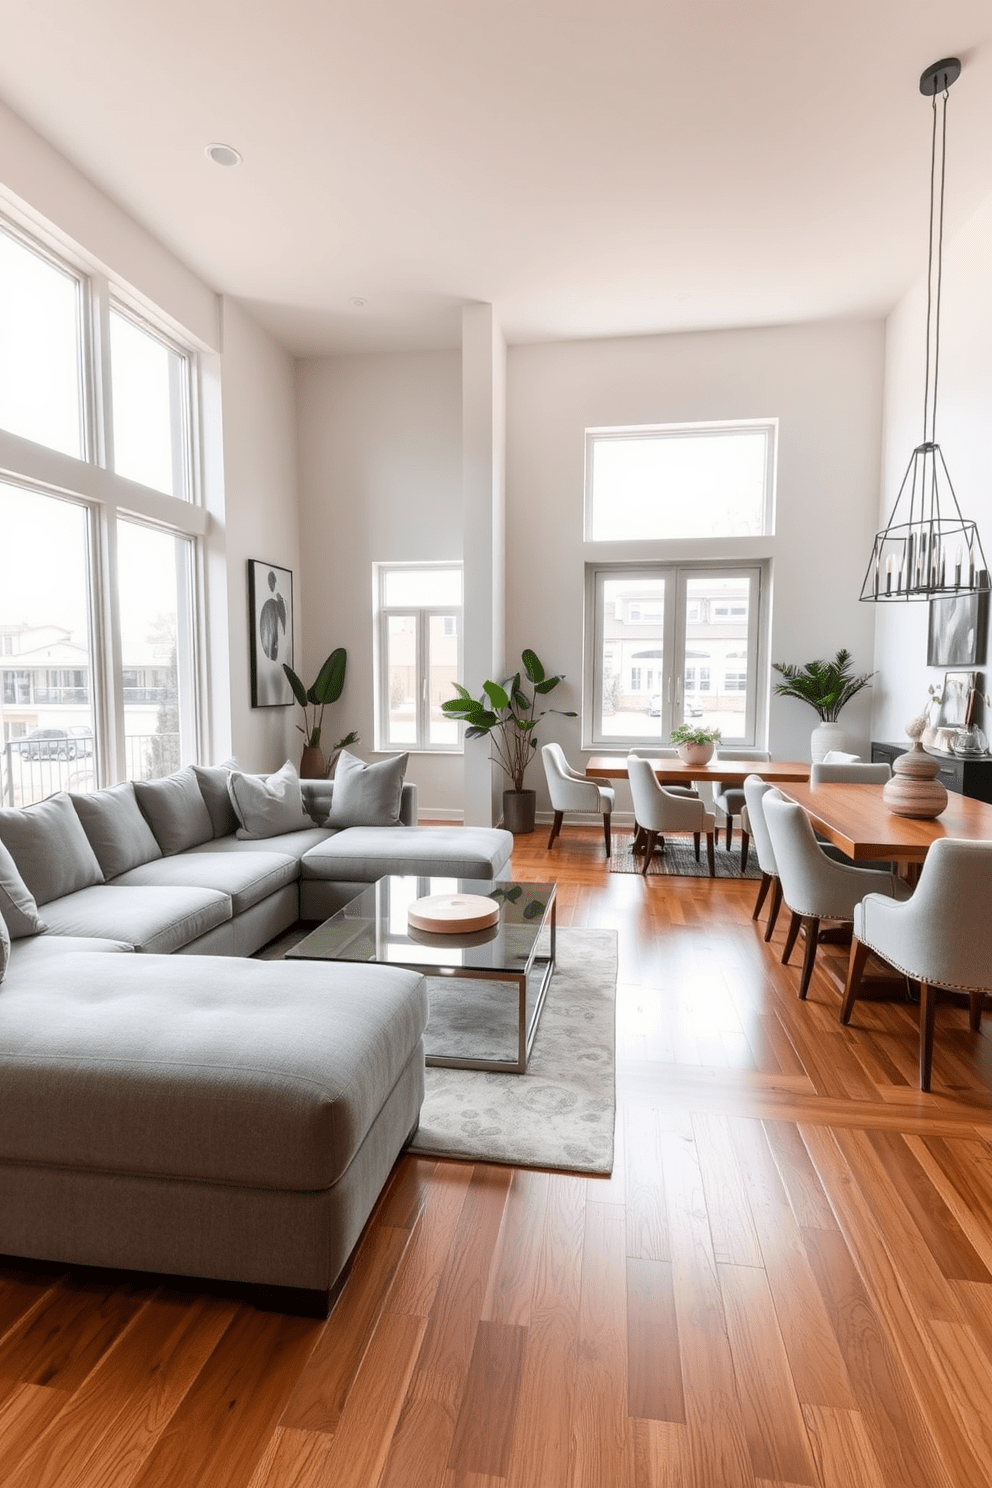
{"x":313,"y":765}
{"x":913,"y":791}
{"x":695,"y":754}
{"x":825,"y":736}
{"x":519,"y":810}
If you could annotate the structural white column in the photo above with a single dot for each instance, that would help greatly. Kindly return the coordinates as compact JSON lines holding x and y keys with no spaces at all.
{"x":483,"y":551}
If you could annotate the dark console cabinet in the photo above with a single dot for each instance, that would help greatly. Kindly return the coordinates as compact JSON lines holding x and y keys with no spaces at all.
{"x":969,"y":777}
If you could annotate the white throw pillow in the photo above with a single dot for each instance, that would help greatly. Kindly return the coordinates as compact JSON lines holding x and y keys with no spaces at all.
{"x":267,"y":805}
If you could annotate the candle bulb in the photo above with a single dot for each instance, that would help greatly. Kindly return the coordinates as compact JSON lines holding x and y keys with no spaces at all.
{"x":957,"y":568}
{"x":889,"y":562}
{"x":875,"y":578}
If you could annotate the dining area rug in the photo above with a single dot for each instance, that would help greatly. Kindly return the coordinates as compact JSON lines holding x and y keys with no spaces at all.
{"x":678,"y":859}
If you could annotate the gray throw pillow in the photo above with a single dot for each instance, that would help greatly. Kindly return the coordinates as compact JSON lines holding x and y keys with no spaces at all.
{"x":116,"y":829}
{"x":212,"y":780}
{"x":50,"y":848}
{"x":367,"y":795}
{"x":268,"y":805}
{"x":176,"y":811}
{"x":4,"y":948}
{"x":17,"y":905}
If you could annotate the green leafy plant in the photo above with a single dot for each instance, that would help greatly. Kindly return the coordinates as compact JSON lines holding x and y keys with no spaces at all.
{"x":825,"y":685}
{"x":691,"y":733}
{"x":313,"y":700}
{"x":507,"y":716}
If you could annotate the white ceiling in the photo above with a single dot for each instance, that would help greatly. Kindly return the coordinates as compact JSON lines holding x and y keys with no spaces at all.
{"x":590,"y":169}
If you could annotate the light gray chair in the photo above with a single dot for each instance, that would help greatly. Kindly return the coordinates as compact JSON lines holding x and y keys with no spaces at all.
{"x":815,"y":887}
{"x":753,"y":822}
{"x":571,"y":791}
{"x":849,"y":773}
{"x":941,"y":938}
{"x":839,"y":757}
{"x":659,"y":812}
{"x":729,"y":799}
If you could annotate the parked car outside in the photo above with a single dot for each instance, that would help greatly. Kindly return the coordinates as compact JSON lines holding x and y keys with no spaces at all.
{"x":56,"y":743}
{"x":691,"y":708}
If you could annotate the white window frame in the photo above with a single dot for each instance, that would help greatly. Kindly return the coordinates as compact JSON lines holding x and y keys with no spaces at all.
{"x":380,"y":655}
{"x":671,"y":690}
{"x":91,"y":481}
{"x":683,"y":431}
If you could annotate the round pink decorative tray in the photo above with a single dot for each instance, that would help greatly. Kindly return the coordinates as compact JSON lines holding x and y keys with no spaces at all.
{"x":452,"y":914}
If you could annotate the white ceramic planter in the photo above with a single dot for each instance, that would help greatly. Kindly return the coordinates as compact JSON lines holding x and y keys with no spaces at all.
{"x":825,"y":736}
{"x":695,"y":754}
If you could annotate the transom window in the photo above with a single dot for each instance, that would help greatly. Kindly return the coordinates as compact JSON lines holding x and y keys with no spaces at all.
{"x":418,"y":626}
{"x":704,"y":659}
{"x":695,"y":481}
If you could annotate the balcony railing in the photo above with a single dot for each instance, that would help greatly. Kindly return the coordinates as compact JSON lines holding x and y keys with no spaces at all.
{"x":24,"y":780}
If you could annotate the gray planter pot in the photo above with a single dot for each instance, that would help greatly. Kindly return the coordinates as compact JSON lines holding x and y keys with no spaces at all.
{"x":519,"y":810}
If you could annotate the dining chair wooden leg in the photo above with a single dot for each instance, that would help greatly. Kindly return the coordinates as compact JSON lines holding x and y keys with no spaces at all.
{"x":730,"y":830}
{"x":776,"y":906}
{"x":975,"y":1001}
{"x":811,"y":925}
{"x":791,"y":934}
{"x":928,"y":1007}
{"x":650,"y":838}
{"x":638,"y":841}
{"x":606,"y":832}
{"x":710,"y":855}
{"x":695,"y":844}
{"x":763,"y":887}
{"x":855,"y":971}
{"x":555,"y":828}
{"x":745,"y":844}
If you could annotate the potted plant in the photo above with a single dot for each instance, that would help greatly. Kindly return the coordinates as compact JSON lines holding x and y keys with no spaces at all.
{"x":313,"y":700}
{"x":507,"y":716}
{"x":695,"y":745}
{"x":826,"y":686}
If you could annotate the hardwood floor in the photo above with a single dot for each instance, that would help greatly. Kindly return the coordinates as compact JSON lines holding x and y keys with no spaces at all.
{"x":787,"y":1279}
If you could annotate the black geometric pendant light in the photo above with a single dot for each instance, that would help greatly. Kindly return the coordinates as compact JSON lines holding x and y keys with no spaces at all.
{"x":928,"y":549}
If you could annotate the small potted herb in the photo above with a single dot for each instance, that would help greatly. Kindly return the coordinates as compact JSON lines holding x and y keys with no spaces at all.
{"x":695,"y":745}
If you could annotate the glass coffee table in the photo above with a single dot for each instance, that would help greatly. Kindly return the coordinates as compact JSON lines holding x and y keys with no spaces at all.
{"x":374,"y":927}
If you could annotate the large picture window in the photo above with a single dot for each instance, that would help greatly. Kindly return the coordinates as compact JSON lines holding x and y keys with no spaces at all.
{"x":98,"y":558}
{"x":696,"y":481}
{"x":418,"y":623}
{"x":672,"y":644}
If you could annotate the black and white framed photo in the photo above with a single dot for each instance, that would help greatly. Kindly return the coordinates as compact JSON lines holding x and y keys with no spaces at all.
{"x":957,"y":630}
{"x":270,"y":619}
{"x":954,"y":699}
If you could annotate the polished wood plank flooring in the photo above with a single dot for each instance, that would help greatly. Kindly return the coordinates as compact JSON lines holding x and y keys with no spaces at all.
{"x":786,"y":1281}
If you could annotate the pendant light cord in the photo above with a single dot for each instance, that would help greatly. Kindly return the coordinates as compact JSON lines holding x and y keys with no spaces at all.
{"x":933,"y":299}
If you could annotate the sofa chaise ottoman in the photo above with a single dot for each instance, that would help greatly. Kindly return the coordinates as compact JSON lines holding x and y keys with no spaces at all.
{"x":201,"y":1116}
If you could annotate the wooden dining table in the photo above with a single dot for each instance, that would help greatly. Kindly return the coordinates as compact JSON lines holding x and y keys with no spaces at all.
{"x":856,"y":819}
{"x":673,"y":771}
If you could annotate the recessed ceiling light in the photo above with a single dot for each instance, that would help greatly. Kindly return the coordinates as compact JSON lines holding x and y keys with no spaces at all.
{"x":223,"y":154}
{"x":359,"y":302}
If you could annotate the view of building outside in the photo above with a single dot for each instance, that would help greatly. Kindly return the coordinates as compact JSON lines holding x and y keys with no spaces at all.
{"x":420,"y":654}
{"x":714,"y":677}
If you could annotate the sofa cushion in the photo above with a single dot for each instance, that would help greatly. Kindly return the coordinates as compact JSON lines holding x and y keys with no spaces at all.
{"x":213,"y":782}
{"x":367,"y":794}
{"x":4,"y":948}
{"x":364,"y":854}
{"x":149,"y":919}
{"x":42,"y":950}
{"x":17,"y":905}
{"x":117,"y":832}
{"x":292,"y":844}
{"x":51,"y":850}
{"x":176,"y":811}
{"x":242,"y":1072}
{"x":246,"y":877}
{"x":267,"y":805}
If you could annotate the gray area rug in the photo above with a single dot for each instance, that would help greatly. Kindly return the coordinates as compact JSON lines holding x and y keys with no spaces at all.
{"x":561,"y":1113}
{"x":679,"y":860}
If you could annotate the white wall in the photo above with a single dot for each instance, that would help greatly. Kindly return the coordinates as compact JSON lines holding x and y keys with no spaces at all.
{"x":964,"y":433}
{"x":824,"y":384}
{"x":380,"y":481}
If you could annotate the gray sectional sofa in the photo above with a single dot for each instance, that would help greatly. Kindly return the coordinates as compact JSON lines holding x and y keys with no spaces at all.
{"x":202,"y":1114}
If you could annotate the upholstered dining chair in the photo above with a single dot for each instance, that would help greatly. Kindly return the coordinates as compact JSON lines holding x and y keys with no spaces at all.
{"x":659,"y":812}
{"x":849,"y":772}
{"x":570,"y":791}
{"x":755,"y":790}
{"x":941,"y":938}
{"x":729,"y":799}
{"x":814,"y":886}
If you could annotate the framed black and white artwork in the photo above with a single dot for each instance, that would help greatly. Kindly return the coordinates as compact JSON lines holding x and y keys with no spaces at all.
{"x":270,"y":619}
{"x":957,"y":630}
{"x":954,"y":699}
